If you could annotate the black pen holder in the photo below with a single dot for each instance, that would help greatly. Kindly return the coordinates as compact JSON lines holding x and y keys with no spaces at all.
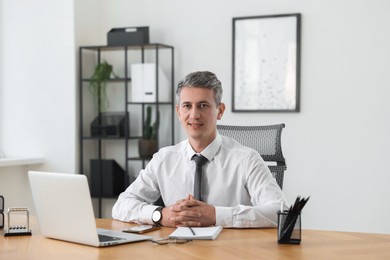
{"x":289,"y":228}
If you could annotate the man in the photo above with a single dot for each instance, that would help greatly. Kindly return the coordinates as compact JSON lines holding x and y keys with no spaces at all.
{"x":237,"y":188}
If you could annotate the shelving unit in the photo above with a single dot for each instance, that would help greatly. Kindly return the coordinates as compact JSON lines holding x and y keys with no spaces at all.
{"x":124,"y":149}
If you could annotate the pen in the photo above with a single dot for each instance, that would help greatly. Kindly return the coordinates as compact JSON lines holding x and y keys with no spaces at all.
{"x":192,"y":231}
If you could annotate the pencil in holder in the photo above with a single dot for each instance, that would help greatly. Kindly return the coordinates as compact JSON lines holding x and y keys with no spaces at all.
{"x":289,"y":228}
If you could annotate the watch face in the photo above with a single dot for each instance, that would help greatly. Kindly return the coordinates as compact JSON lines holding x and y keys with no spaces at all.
{"x":156,"y":217}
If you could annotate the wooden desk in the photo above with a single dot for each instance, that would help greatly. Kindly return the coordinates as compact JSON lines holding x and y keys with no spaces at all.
{"x":231,"y":244}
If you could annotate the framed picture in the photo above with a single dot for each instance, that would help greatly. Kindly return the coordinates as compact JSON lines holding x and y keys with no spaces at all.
{"x":266,"y":63}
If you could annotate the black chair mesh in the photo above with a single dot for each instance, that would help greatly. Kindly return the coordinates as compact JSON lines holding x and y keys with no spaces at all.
{"x":264,"y":139}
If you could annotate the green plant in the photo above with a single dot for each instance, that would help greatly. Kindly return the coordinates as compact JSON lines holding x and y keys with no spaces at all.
{"x":150,"y":130}
{"x":97,"y":86}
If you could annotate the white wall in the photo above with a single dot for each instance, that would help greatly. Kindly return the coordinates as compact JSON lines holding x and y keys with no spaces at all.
{"x":336,"y":147}
{"x":1,"y":70}
{"x":38,"y":101}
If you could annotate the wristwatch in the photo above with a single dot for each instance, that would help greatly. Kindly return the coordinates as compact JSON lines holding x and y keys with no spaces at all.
{"x":157,"y":216}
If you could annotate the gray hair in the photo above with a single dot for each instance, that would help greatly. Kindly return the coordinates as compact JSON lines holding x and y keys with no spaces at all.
{"x":201,"y":79}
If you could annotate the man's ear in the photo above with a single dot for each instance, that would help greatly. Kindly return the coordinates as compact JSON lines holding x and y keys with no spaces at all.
{"x":178,"y":111}
{"x":221,"y":110}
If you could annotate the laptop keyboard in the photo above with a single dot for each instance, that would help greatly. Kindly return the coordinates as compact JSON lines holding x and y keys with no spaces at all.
{"x":103,"y":238}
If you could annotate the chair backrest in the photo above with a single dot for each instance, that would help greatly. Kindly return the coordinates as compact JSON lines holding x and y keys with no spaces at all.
{"x":264,"y":139}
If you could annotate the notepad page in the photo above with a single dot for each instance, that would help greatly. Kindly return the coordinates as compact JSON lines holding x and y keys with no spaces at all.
{"x":209,"y":233}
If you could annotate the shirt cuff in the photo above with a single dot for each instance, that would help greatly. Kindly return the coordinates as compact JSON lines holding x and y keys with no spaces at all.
{"x":223,"y":216}
{"x":146,"y":214}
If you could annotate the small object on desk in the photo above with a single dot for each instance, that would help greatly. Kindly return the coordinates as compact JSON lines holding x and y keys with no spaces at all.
{"x":204,"y":233}
{"x":289,"y":223}
{"x":1,"y":211}
{"x":21,"y":229}
{"x":192,"y":231}
{"x":141,"y":229}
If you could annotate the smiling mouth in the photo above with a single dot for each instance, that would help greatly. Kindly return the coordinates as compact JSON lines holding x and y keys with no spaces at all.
{"x":194,"y":124}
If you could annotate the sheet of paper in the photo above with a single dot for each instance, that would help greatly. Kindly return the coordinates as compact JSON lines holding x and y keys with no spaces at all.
{"x":209,"y":233}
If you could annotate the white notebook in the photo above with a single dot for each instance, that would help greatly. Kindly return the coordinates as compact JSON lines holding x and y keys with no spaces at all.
{"x":208,"y":233}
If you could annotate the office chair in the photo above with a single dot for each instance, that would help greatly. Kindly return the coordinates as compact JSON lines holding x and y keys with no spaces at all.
{"x":264,"y":139}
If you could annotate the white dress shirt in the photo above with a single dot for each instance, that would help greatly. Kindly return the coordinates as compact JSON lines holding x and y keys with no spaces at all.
{"x":235,"y":180}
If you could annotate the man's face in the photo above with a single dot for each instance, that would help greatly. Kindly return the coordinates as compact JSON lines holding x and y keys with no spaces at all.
{"x":198,"y":113}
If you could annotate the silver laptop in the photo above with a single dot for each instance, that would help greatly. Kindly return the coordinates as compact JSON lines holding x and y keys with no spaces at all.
{"x":64,"y":209}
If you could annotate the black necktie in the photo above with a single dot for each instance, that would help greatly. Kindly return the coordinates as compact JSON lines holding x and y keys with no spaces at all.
{"x":200,"y":160}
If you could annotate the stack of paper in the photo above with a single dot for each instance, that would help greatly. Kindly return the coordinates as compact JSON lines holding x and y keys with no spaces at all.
{"x":209,"y":233}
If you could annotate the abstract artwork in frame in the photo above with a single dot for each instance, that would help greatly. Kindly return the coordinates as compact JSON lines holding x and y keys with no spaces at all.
{"x":266,"y":63}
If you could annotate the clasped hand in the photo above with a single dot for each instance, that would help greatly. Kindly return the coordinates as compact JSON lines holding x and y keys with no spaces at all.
{"x":189,"y":212}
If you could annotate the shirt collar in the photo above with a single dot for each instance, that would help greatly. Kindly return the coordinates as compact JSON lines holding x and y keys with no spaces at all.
{"x":209,"y":152}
